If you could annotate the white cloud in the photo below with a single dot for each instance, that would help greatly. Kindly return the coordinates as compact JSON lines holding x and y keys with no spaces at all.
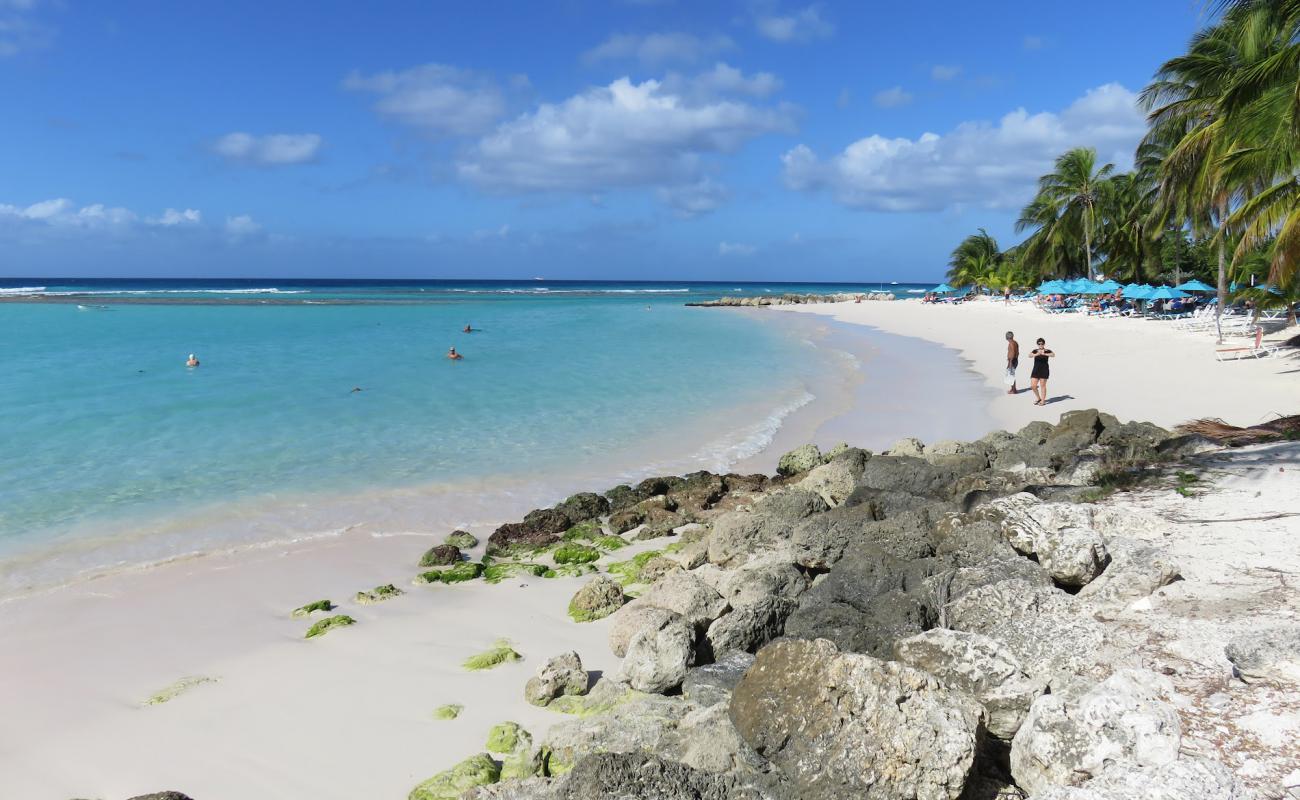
{"x":276,"y":149}
{"x":622,"y":135}
{"x":171,"y":218}
{"x":736,"y":249}
{"x":893,"y":97}
{"x":654,"y":49}
{"x":944,"y":72}
{"x":800,"y":26}
{"x":978,"y":162}
{"x":241,"y":226}
{"x":62,"y":212}
{"x":726,"y":79}
{"x":693,"y":199}
{"x":436,"y":98}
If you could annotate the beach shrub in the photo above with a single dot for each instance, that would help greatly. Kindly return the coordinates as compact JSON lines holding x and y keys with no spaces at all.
{"x":576,"y":554}
{"x":179,"y":687}
{"x":464,"y":571}
{"x":377,"y":594}
{"x":329,"y":624}
{"x":449,"y":711}
{"x":477,"y":770}
{"x":500,"y":653}
{"x":319,"y":605}
{"x":496,"y":572}
{"x":629,"y":571}
{"x":461,"y":539}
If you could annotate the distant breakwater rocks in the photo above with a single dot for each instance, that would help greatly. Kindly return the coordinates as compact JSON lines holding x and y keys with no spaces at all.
{"x":927,"y":623}
{"x":793,"y":299}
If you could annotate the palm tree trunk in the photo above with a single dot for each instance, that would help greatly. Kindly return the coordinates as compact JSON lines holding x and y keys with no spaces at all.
{"x":1223,"y":284}
{"x":1087,"y":239}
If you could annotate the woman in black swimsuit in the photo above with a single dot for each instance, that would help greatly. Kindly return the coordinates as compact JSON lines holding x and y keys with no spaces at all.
{"x":1038,"y":377}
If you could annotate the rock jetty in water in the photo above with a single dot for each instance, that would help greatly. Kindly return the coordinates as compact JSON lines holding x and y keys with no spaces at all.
{"x":793,"y":299}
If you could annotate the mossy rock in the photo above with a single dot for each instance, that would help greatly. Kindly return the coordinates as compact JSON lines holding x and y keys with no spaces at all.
{"x":500,"y":653}
{"x":477,"y":770}
{"x":328,"y":624}
{"x":498,"y":571}
{"x":604,"y":697}
{"x":462,"y":539}
{"x":584,"y":531}
{"x":319,"y":605}
{"x":628,"y":572}
{"x":377,"y":595}
{"x":572,"y":571}
{"x":178,"y":688}
{"x":608,"y":543}
{"x":449,"y":711}
{"x":441,"y":555}
{"x":504,"y":738}
{"x":573,"y":553}
{"x":464,"y":571}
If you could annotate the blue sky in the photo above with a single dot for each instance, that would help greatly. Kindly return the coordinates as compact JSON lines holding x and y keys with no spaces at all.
{"x":574,"y":139}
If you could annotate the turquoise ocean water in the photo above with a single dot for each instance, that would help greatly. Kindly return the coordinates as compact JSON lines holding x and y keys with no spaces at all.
{"x":111,"y":451}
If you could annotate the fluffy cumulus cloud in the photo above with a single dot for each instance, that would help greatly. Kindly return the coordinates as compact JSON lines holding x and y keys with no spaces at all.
{"x":436,"y":98}
{"x":649,"y":134}
{"x":692,"y":199}
{"x":655,"y":49}
{"x":271,"y":150}
{"x":796,"y":25}
{"x":61,"y":215}
{"x":172,"y":218}
{"x":892,"y":97}
{"x":981,"y":163}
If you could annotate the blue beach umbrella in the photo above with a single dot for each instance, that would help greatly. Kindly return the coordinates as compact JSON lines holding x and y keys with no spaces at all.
{"x":1108,"y":287}
{"x":942,"y":288}
{"x":1166,"y":293}
{"x":1051,"y":287}
{"x":1136,"y":292}
{"x":1195,"y":286}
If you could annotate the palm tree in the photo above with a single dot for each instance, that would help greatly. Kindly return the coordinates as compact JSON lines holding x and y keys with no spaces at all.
{"x":973,"y":260}
{"x":1128,"y":230}
{"x":1071,"y":190}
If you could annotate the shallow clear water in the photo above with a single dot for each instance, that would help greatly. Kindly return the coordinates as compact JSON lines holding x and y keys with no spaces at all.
{"x":104,"y":433}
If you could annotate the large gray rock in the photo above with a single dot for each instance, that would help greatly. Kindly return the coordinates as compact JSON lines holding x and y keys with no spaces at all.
{"x":1122,"y":720}
{"x":559,"y":676}
{"x":834,"y":481}
{"x":740,"y":535}
{"x":630,"y":620}
{"x":583,"y":506}
{"x":1060,"y":536}
{"x":979,"y":666}
{"x":840,"y":725}
{"x":683,"y":592}
{"x":821,"y":540}
{"x":1135,"y":571}
{"x":657,"y":657}
{"x":644,"y":723}
{"x":907,"y":446}
{"x":713,"y":683}
{"x":800,"y":459}
{"x":642,"y":776}
{"x":1266,"y":654}
{"x":772,"y":576}
{"x":1184,"y":779}
{"x":750,"y":626}
{"x":598,"y":599}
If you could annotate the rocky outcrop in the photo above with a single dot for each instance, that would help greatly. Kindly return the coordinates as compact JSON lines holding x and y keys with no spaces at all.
{"x":844,"y":725}
{"x":658,"y":655}
{"x":597,"y":600}
{"x":1122,"y":720}
{"x":791,"y":299}
{"x":442,"y":555}
{"x":559,"y":676}
{"x":1270,"y":654}
{"x":1185,"y":779}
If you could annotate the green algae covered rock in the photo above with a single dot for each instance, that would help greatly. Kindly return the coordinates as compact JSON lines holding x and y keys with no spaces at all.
{"x":462,"y":539}
{"x":608,"y":543}
{"x":477,"y":770}
{"x":573,"y":553}
{"x":626,"y":572}
{"x":442,"y":555}
{"x":584,"y":531}
{"x":449,"y":711}
{"x":328,"y":624}
{"x":504,"y":738}
{"x":178,"y":688}
{"x":597,"y":600}
{"x":377,"y":595}
{"x":571,"y":571}
{"x":500,"y":570}
{"x":464,"y":571}
{"x":500,"y":653}
{"x":319,"y":605}
{"x":519,"y":759}
{"x":604,"y":697}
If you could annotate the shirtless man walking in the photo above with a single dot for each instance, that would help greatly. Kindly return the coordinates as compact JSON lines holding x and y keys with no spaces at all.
{"x":1013,"y":360}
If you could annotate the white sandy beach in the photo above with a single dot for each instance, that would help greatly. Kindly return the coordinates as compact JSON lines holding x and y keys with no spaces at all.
{"x":349,"y":715}
{"x":1133,"y":368}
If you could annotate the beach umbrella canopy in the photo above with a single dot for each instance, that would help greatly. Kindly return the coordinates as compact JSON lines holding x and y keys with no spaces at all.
{"x":1132,"y":287}
{"x":942,"y":288}
{"x":1166,"y":293}
{"x":1195,"y":286}
{"x":1108,"y":287}
{"x":1052,"y":287}
{"x":1136,"y":292}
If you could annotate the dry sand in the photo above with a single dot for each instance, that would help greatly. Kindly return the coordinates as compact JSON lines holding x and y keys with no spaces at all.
{"x":1133,"y":368}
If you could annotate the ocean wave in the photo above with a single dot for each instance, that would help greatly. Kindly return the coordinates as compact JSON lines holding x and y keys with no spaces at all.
{"x":543,"y":290}
{"x":24,"y":290}
{"x":107,"y":292}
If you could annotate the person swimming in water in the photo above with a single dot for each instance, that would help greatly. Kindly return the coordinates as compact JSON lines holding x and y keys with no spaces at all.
{"x":453,"y":355}
{"x":192,"y":361}
{"x":468,"y":329}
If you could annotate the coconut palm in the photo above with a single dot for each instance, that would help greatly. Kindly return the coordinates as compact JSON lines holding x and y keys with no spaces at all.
{"x":973,"y":260}
{"x":1067,"y":200}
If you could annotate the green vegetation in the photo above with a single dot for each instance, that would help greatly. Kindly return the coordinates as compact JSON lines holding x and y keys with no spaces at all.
{"x":319,"y":605}
{"x":498,"y":654}
{"x":179,"y":687}
{"x":377,"y":594}
{"x":571,"y":571}
{"x":462,"y":539}
{"x":575,"y":554}
{"x":464,"y":571}
{"x":497,"y":571}
{"x":608,"y":543}
{"x":477,"y":770}
{"x":328,"y":624}
{"x":449,"y":711}
{"x":504,"y":737}
{"x":626,"y":572}
{"x":584,"y":531}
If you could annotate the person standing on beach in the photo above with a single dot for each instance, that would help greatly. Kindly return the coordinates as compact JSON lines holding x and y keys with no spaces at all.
{"x":1038,"y":377}
{"x":1013,"y":360}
